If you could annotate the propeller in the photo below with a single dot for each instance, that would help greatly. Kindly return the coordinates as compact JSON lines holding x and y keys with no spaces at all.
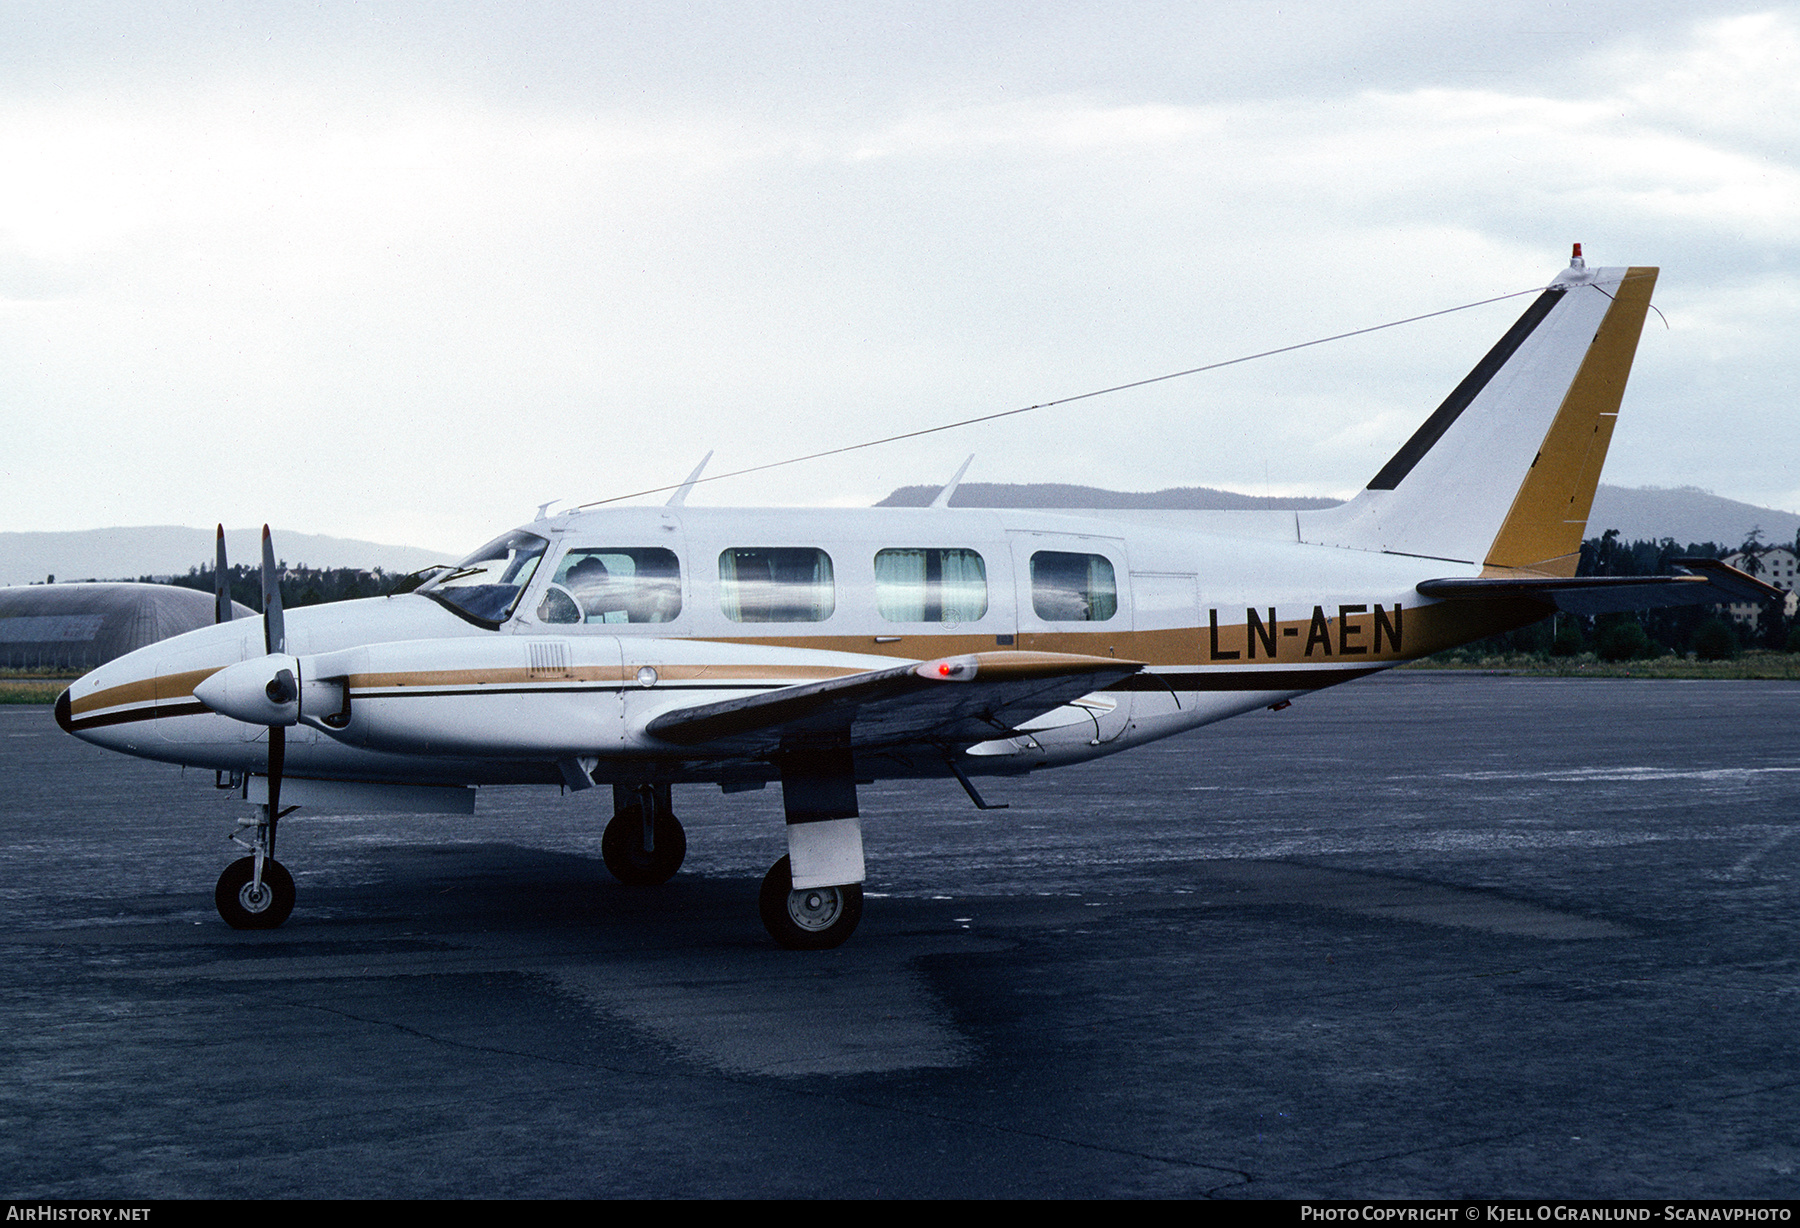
{"x":249,"y":692}
{"x":282,"y":688}
{"x":274,"y":634}
{"x":265,"y":691}
{"x":221,"y":584}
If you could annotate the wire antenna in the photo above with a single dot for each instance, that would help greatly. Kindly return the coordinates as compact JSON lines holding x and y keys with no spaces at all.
{"x":1080,"y":396}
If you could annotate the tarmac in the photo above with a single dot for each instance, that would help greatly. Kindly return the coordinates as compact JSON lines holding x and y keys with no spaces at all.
{"x":1424,"y":935}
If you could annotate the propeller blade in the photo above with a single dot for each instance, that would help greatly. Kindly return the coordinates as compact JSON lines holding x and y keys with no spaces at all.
{"x":277,"y":761}
{"x":275,"y":639}
{"x":274,"y":633}
{"x":221,"y":584}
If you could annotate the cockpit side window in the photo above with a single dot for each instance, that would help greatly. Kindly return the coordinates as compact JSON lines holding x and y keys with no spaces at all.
{"x":776,"y":584}
{"x":613,"y":584}
{"x":1073,"y":587}
{"x":930,"y":586}
{"x":485,"y":587}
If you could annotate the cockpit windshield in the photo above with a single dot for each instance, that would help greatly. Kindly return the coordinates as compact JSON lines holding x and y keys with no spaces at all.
{"x":486,"y":586}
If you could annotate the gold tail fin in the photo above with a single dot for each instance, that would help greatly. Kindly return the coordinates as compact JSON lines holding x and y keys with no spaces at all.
{"x":1542,"y":531}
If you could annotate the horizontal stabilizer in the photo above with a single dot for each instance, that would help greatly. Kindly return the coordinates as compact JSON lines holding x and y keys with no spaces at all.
{"x":957,"y":699}
{"x":1707,"y":582}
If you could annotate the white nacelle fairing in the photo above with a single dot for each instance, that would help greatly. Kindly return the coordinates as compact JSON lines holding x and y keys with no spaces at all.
{"x":538,"y":697}
{"x":262,"y":691}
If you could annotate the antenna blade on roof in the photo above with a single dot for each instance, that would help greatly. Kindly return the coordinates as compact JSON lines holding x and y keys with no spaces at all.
{"x":681,"y":492}
{"x":943,"y":498}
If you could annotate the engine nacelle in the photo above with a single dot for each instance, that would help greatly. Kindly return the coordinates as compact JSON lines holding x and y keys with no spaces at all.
{"x":277,"y":689}
{"x":503,"y":697}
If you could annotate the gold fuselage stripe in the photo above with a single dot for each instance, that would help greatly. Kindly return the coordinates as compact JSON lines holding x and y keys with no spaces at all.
{"x":1359,"y":634}
{"x":161,"y":689}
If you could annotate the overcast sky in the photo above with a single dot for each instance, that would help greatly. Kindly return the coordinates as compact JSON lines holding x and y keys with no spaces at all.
{"x":404,"y":271}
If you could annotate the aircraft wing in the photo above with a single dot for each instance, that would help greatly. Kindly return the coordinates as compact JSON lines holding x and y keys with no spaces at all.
{"x":968,"y":698}
{"x":1706,"y":582}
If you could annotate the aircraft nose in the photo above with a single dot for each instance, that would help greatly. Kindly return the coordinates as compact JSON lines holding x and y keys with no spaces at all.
{"x":107,"y":705}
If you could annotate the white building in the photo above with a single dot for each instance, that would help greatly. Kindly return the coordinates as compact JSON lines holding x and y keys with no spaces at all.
{"x":1775,"y":565}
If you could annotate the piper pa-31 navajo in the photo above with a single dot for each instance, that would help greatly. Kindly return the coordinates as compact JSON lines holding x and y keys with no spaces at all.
{"x":646,"y":647}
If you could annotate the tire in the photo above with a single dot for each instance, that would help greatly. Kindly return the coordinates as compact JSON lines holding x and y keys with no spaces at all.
{"x":240,"y":909}
{"x":622,"y":849}
{"x":816,"y":919}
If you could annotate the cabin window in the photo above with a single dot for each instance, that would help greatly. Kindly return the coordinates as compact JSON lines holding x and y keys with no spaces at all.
{"x":611,"y":584}
{"x":778,"y":584}
{"x":930,"y":586}
{"x":1069,"y":588}
{"x":485,"y":587}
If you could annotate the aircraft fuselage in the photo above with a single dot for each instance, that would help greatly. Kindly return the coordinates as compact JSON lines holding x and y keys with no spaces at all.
{"x":1223,"y":624}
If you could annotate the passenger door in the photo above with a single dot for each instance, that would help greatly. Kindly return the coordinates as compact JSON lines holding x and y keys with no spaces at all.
{"x":1074,"y":596}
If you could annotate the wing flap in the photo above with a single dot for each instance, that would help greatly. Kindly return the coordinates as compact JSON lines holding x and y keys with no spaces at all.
{"x":1705,"y":582}
{"x":966,"y":698}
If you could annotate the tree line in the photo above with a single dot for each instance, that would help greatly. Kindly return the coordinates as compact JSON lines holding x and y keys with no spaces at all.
{"x":300,"y":585}
{"x":1706,"y":631}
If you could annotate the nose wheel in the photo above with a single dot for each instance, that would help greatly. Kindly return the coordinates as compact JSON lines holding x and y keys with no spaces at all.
{"x":813,"y":919}
{"x":247,"y":905}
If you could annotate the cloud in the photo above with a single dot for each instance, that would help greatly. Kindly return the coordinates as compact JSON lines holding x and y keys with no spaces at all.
{"x":416,"y":308}
{"x":1736,"y":80}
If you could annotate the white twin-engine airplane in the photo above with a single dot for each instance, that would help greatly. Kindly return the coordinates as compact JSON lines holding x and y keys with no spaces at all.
{"x":821,"y":649}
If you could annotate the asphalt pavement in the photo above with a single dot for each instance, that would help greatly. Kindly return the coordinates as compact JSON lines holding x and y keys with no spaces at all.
{"x":1423,"y":935}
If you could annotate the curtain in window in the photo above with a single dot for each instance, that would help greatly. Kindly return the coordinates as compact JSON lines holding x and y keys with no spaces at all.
{"x":965,"y":587}
{"x":930,"y":586}
{"x":1103,"y":589}
{"x":783,"y":584}
{"x":900,"y":585}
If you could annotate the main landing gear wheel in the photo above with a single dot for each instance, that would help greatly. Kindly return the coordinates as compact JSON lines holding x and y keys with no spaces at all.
{"x":246,"y":908}
{"x":816,"y":919}
{"x":622,"y":848}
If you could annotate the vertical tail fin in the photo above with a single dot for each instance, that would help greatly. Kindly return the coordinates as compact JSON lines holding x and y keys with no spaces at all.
{"x":1503,"y":473}
{"x":1543,"y":527}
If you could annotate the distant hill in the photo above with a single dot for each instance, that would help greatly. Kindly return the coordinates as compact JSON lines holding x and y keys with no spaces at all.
{"x":170,"y":550}
{"x":1684,"y":513}
{"x":1056,"y":494}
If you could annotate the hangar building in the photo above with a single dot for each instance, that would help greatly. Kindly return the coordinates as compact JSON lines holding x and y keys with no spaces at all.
{"x":79,"y":626}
